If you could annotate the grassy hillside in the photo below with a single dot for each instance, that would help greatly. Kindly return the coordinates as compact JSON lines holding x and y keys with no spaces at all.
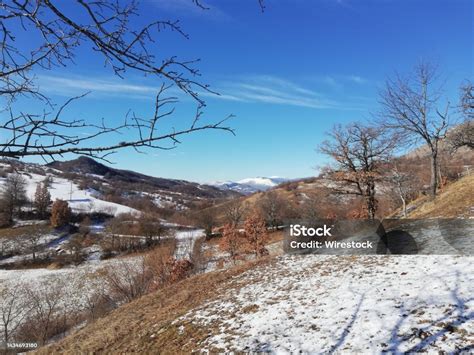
{"x":131,"y":327}
{"x":283,"y":304}
{"x":455,"y":201}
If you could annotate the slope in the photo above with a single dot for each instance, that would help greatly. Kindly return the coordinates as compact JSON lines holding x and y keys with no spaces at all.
{"x":310,"y":303}
{"x":455,"y":201}
{"x":87,"y":166}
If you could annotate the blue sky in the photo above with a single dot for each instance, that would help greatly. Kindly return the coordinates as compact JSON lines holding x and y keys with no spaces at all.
{"x":287,"y":74}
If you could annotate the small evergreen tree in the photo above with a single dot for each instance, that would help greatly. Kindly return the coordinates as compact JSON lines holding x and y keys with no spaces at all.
{"x":42,"y":199}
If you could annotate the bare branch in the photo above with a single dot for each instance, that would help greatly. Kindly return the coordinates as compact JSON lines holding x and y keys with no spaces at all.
{"x":55,"y":33}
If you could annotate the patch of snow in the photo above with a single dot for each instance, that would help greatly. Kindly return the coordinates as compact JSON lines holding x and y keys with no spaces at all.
{"x":79,"y":200}
{"x":250,"y":185}
{"x":334,"y":304}
{"x":185,"y":242}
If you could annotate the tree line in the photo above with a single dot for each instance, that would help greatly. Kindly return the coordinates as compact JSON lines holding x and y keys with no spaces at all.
{"x":13,"y":198}
{"x":412,"y":112}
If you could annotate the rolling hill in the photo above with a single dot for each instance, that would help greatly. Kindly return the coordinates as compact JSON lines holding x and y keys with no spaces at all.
{"x":90,"y":167}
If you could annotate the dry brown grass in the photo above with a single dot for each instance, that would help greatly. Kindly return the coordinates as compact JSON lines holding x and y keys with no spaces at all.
{"x":146,"y":325}
{"x":24,"y":230}
{"x":456,"y":200}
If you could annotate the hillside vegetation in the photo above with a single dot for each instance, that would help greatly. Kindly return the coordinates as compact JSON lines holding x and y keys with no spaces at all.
{"x":131,"y":327}
{"x":286,"y":303}
{"x":455,"y":201}
{"x":264,"y":305}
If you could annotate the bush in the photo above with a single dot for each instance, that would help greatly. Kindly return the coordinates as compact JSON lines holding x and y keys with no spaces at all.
{"x":231,"y":241}
{"x":256,"y":234}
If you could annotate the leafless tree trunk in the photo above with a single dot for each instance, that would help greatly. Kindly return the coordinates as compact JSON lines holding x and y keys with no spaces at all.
{"x":360,"y":154}
{"x":14,"y":308}
{"x":46,"y":317}
{"x":234,"y":212}
{"x":403,"y":183}
{"x":463,"y":135}
{"x":32,"y":242}
{"x":272,"y":208}
{"x":410,"y":109}
{"x":128,"y":280}
{"x":13,"y":195}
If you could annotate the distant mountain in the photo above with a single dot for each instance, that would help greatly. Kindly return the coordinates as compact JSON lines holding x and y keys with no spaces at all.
{"x":85,"y":166}
{"x":250,"y":185}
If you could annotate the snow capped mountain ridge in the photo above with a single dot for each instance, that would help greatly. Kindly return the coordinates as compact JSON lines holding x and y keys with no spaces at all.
{"x":250,"y":185}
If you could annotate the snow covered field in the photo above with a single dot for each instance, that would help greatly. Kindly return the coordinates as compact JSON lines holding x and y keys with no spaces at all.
{"x":185,"y":242}
{"x":79,"y":200}
{"x":368,"y":304}
{"x":79,"y":284}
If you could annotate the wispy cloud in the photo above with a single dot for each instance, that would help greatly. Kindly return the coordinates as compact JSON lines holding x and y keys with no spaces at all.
{"x":357,"y":79}
{"x":264,"y":89}
{"x":275,"y":90}
{"x":187,"y":7}
{"x":75,"y":85}
{"x":340,"y":81}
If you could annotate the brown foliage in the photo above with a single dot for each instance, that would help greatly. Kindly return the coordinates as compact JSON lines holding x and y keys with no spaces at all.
{"x":231,"y":241}
{"x":256,"y":234}
{"x":60,"y":213}
{"x":129,"y":280}
{"x":179,"y":269}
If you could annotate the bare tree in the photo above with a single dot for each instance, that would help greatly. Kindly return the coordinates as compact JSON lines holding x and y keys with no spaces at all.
{"x":234,"y":212}
{"x":463,"y":135}
{"x":272,"y":208}
{"x":149,"y":226}
{"x":13,"y":195}
{"x":404,"y":185}
{"x":32,"y":242}
{"x":55,"y":34}
{"x":467,"y":100}
{"x":361,"y":154}
{"x":74,"y":247}
{"x":207,"y":220}
{"x":410,"y":109}
{"x":47,"y":317}
{"x":13,"y":308}
{"x":128,"y":280}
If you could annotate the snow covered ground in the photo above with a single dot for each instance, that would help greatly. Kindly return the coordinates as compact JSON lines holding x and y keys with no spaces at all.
{"x":79,"y":200}
{"x":185,"y":242}
{"x":74,"y":288}
{"x":327,"y":304}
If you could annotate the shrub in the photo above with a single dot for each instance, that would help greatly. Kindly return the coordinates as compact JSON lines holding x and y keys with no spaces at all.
{"x":231,"y":241}
{"x":256,"y":234}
